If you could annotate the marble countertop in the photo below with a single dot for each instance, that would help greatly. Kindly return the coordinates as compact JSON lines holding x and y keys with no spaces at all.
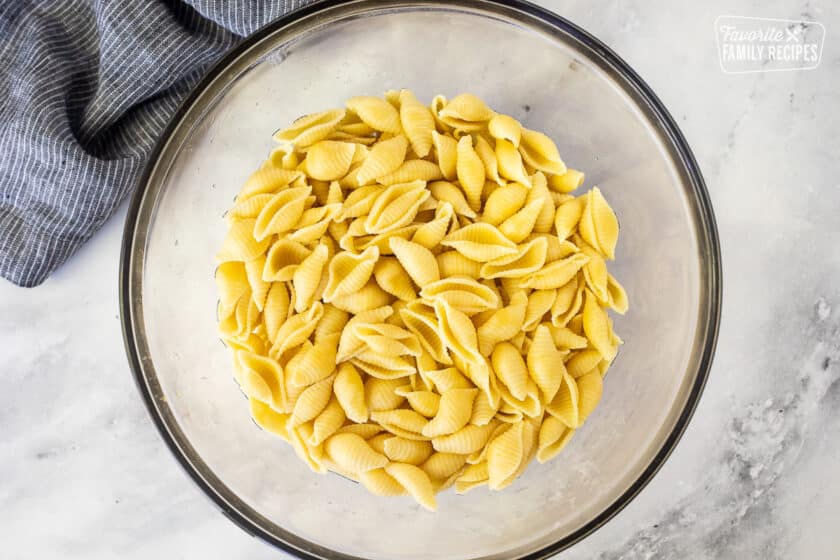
{"x":85,"y":475}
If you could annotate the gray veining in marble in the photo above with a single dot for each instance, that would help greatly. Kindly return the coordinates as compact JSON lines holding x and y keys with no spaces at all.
{"x":83,"y":473}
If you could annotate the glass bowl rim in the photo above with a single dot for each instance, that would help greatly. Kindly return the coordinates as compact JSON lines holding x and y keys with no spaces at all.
{"x":707,"y":237}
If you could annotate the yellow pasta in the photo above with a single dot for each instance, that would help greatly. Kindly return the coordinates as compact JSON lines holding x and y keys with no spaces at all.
{"x":464,"y":294}
{"x":396,"y":206}
{"x":376,"y":113}
{"x":353,"y":454}
{"x":414,"y":299}
{"x":418,"y":123}
{"x":470,"y":172}
{"x":480,"y":242}
{"x":385,"y":157}
{"x":418,"y":262}
{"x":348,"y":273}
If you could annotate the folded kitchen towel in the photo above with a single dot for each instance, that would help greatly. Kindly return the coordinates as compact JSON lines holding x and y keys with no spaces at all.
{"x":86,"y":88}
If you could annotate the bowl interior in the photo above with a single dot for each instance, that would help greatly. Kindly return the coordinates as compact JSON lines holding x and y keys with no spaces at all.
{"x":543,"y":76}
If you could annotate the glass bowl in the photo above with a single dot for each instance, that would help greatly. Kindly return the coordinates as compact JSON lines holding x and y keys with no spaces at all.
{"x":524,"y":61}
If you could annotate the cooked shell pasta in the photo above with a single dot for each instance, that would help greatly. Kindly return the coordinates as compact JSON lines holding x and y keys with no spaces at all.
{"x":413,"y":297}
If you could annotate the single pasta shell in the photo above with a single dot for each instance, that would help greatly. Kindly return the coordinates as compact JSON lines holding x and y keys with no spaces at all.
{"x":317,"y":363}
{"x":415,"y":481}
{"x":556,"y":274}
{"x":540,"y":152}
{"x":430,"y":234}
{"x":470,"y":171}
{"x":267,"y":180}
{"x":249,"y":207}
{"x":504,"y":324}
{"x":457,"y":332}
{"x":566,"y":339}
{"x":453,"y":263}
{"x":360,"y":201}
{"x":598,"y":224}
{"x":296,"y":329}
{"x":483,"y":410}
{"x":545,"y":363}
{"x":468,"y":439}
{"x":505,"y":127}
{"x":565,"y":406}
{"x":504,"y":455}
{"x":327,"y":423}
{"x":467,"y":107}
{"x":539,"y":303}
{"x":382,"y":240}
{"x":380,"y":483}
{"x":590,"y":388}
{"x":424,"y":325}
{"x":240,"y":243}
{"x":444,"y":191}
{"x":371,"y":296}
{"x":453,"y":413}
{"x":332,"y":322}
{"x":553,"y":437}
{"x":232,"y":283}
{"x":480,"y":242}
{"x":448,"y":378}
{"x":366,"y":431}
{"x":269,"y":420}
{"x":529,"y":258}
{"x":353,"y":454}
{"x":424,"y":402}
{"x":309,"y":129}
{"x":473,"y":476}
{"x":510,"y":163}
{"x":282,"y":212}
{"x":446,"y":149}
{"x":440,"y":466}
{"x":385,"y":157}
{"x":510,"y":369}
{"x":539,"y":190}
{"x":504,"y":202}
{"x":380,"y":394}
{"x":377,"y":442}
{"x":312,"y":401}
{"x":418,"y":262}
{"x":329,"y":160}
{"x":314,"y":223}
{"x":567,"y":182}
{"x":567,"y":217}
{"x":520,"y":225}
{"x":412,"y":170}
{"x":418,"y":123}
{"x":348,"y":273}
{"x":463,"y":293}
{"x":376,"y":113}
{"x":396,"y":206}
{"x":350,"y":393}
{"x":392,"y":277}
{"x":581,"y":363}
{"x":617,"y":299}
{"x":262,"y":378}
{"x":596,"y":326}
{"x":307,"y":277}
{"x":276,"y":309}
{"x":488,"y":158}
{"x":412,"y":452}
{"x":404,"y":419}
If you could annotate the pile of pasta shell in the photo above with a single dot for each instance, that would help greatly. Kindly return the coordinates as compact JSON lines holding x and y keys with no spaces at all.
{"x":413,"y":296}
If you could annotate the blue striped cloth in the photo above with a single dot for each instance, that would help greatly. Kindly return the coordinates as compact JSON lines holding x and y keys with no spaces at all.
{"x":86,"y":87}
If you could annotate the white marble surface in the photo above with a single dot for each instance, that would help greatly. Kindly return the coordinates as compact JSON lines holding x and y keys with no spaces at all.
{"x":84,"y":474}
